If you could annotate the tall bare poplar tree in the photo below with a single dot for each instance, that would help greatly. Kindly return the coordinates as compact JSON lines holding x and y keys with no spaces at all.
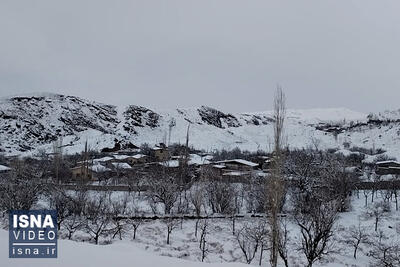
{"x":85,"y":165}
{"x":57,"y":158}
{"x":276,"y":184}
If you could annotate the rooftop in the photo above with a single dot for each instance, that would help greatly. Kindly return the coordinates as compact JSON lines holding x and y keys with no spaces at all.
{"x":120,"y":165}
{"x":99,"y":168}
{"x":121,"y":157}
{"x":239,"y":161}
{"x":138,"y":156}
{"x":387,"y":162}
{"x":104,"y":159}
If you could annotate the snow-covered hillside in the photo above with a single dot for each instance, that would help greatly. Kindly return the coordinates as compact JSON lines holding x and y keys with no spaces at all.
{"x":29,"y":123}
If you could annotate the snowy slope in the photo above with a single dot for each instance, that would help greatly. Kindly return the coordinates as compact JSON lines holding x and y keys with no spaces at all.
{"x":29,"y":123}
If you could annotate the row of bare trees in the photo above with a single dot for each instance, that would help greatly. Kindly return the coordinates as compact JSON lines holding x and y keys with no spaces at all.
{"x":315,"y":209}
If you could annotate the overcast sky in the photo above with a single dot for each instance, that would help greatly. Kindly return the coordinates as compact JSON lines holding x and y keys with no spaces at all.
{"x":228,"y":54}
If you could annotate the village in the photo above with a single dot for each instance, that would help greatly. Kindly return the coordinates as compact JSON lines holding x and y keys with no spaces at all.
{"x":114,"y":165}
{"x":117,"y":162}
{"x":188,"y":196}
{"x":199,"y":133}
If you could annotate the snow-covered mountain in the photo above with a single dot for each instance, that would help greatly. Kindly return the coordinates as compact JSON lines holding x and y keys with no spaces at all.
{"x":32,"y":122}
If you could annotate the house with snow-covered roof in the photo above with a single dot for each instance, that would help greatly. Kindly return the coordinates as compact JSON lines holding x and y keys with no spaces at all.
{"x":131,"y":159}
{"x":387,"y":167}
{"x":121,"y":165}
{"x":232,"y":170}
{"x":238,"y":164}
{"x":103,"y":159}
{"x":89,"y":172}
{"x":81,"y":172}
{"x":138,"y":159}
{"x":161,"y":152}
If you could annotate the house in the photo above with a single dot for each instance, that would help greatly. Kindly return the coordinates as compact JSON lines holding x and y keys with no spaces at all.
{"x":161,"y":152}
{"x":234,"y":170}
{"x":199,"y":159}
{"x":81,"y":172}
{"x":97,"y":171}
{"x":218,"y":169}
{"x":121,"y":165}
{"x":170,"y":163}
{"x":137,"y":159}
{"x":103,"y":160}
{"x":238,"y":164}
{"x":387,"y":167}
{"x":120,"y":158}
{"x":131,"y":160}
{"x":87,"y":173}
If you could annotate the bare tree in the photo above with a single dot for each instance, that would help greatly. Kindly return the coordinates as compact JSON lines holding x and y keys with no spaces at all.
{"x":134,"y":220}
{"x":171,"y":224}
{"x":18,"y":190}
{"x":395,"y":182}
{"x":79,"y":201}
{"x":377,"y":213}
{"x":256,"y":194}
{"x":197,"y":198}
{"x":250,"y":239}
{"x":57,"y":158}
{"x":221,"y":196}
{"x":60,"y":201}
{"x":163,"y":189}
{"x":316,"y":229}
{"x":98,"y":218}
{"x":72,"y":224}
{"x":246,"y":245}
{"x":235,"y":210}
{"x":135,"y":223}
{"x":276,"y":184}
{"x":385,"y":252}
{"x":118,"y":209}
{"x":283,"y":243}
{"x":356,"y":236}
{"x":135,"y":180}
{"x":375,"y":181}
{"x":203,"y":236}
{"x":366,"y":194}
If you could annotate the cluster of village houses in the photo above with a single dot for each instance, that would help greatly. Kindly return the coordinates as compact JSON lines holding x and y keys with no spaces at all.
{"x":232,"y":169}
{"x":124,"y":160}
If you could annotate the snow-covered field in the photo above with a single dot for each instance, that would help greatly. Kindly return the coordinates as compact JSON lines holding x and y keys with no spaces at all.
{"x":150,"y":248}
{"x":76,"y":254}
{"x":223,"y":244}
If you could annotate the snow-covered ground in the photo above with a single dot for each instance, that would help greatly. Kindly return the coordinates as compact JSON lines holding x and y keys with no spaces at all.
{"x":150,"y":248}
{"x":76,"y":254}
{"x":223,"y":244}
